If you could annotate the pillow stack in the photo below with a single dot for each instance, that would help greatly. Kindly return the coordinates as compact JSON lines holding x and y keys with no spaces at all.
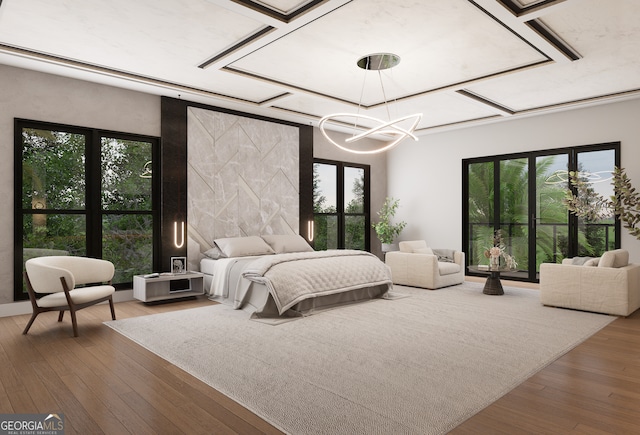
{"x":256,"y":245}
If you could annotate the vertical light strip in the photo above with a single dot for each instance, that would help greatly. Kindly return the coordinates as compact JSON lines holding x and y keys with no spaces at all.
{"x":175,"y":234}
{"x":310,"y":230}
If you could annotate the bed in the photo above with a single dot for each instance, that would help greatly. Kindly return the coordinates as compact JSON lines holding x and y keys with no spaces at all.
{"x":282,"y":276}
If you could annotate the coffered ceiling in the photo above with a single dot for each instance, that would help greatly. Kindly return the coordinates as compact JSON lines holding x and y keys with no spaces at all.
{"x":463,"y":62}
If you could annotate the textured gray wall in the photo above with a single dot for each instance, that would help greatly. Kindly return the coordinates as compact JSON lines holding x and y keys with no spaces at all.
{"x":242,"y":178}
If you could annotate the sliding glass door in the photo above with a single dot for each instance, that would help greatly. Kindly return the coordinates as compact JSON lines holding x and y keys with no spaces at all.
{"x":522,"y":197}
{"x":550,"y":218}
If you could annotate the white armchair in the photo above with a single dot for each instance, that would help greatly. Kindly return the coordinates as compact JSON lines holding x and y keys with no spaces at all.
{"x":609,"y":285}
{"x":51,"y":284}
{"x":417,"y":265}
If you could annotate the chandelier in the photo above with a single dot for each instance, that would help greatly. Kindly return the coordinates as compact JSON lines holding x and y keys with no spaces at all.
{"x":394,"y":131}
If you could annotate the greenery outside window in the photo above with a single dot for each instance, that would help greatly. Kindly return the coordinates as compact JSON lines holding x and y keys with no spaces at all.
{"x":522,"y":196}
{"x":341,"y":205}
{"x":84,"y":192}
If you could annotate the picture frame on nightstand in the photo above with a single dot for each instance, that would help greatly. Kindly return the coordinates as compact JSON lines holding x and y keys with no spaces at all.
{"x":178,"y":265}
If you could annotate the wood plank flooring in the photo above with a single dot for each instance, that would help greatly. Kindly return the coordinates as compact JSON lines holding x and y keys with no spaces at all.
{"x":104,"y":383}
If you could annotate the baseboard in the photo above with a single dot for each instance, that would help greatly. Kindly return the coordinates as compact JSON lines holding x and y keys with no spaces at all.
{"x":15,"y":309}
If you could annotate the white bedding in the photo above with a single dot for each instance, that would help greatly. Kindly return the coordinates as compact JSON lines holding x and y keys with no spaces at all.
{"x":220,"y":275}
{"x":220,"y":283}
{"x":225,"y":283}
{"x":295,"y":277}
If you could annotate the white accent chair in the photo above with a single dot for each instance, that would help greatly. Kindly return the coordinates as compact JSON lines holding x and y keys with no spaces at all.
{"x":608,"y":285}
{"x":417,"y":265}
{"x":56,"y":278}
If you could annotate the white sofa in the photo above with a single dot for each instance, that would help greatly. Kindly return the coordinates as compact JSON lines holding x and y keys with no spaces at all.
{"x":608,"y":285}
{"x":417,"y":265}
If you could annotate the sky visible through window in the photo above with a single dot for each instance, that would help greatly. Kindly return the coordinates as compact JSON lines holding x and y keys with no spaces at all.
{"x":328,"y":183}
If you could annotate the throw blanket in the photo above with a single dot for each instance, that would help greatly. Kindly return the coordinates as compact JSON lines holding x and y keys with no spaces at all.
{"x":580,"y":261}
{"x":294,"y":277}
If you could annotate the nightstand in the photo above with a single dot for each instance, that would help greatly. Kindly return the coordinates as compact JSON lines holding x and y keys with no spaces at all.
{"x":166,"y":287}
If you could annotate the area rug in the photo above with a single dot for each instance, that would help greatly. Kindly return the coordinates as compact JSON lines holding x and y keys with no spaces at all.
{"x":417,"y":365}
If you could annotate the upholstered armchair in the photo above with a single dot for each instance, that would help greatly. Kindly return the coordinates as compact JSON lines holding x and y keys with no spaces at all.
{"x":417,"y":265}
{"x":51,"y":284}
{"x":608,"y":284}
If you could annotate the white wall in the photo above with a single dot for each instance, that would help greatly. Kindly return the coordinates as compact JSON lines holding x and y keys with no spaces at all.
{"x":43,"y":97}
{"x":427,"y":175}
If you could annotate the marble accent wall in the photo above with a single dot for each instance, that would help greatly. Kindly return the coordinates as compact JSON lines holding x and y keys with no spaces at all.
{"x":242,"y":178}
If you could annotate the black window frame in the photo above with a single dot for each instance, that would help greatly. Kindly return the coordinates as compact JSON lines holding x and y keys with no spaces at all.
{"x":340,"y":205}
{"x":573,"y":220}
{"x":93,"y":207}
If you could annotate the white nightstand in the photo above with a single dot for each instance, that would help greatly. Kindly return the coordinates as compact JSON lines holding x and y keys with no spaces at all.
{"x":167,"y":286}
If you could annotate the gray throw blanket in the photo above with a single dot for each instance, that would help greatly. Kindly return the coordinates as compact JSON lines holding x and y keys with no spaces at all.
{"x":445,"y":255}
{"x":579,"y":261}
{"x":294,"y":277}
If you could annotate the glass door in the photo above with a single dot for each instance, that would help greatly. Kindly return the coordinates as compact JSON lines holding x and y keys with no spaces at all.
{"x":550,"y":219}
{"x":599,"y":234}
{"x":514,"y":212}
{"x":522,"y":197}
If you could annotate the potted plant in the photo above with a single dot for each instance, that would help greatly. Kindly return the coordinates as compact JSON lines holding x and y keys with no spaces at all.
{"x":387,"y":231}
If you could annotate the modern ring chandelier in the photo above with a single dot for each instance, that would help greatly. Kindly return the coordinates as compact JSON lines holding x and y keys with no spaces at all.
{"x":390,"y":128}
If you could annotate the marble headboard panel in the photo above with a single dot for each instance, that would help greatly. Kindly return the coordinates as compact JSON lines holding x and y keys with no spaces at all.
{"x":242,"y":178}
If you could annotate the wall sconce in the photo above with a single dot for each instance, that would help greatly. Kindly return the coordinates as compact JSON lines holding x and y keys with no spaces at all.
{"x":310,"y":230}
{"x":175,"y":234}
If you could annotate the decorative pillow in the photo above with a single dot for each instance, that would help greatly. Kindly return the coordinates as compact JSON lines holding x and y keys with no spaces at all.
{"x":581,"y":261}
{"x":423,"y":251}
{"x":214,"y":253}
{"x":287,"y":243}
{"x":243,"y":246}
{"x":592,"y":262}
{"x":615,"y":258}
{"x":411,"y":246}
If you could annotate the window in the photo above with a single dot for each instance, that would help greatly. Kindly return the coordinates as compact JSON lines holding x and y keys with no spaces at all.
{"x":521,"y":195}
{"x":341,"y":205}
{"x":84,"y":192}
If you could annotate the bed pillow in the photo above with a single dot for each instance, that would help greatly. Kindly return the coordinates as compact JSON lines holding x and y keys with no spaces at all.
{"x":214,"y":253}
{"x":282,"y":244}
{"x":243,"y":246}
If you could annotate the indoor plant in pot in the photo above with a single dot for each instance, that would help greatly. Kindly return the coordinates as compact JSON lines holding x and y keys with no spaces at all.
{"x":387,"y":231}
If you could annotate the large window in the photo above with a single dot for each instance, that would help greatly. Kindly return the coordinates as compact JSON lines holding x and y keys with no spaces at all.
{"x":521,"y":195}
{"x":340,"y":205}
{"x":84,"y":192}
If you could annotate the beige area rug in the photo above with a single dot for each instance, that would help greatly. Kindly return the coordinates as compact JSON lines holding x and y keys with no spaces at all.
{"x":416,"y":365}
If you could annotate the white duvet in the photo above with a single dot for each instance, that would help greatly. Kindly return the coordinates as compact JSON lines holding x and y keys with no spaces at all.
{"x":294,"y":277}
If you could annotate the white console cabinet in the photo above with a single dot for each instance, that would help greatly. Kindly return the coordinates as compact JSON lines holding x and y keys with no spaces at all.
{"x":167,"y":286}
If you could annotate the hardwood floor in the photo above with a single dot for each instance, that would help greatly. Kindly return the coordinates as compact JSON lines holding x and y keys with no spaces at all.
{"x":104,"y":383}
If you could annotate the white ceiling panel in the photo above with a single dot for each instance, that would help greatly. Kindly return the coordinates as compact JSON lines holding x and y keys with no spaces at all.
{"x":604,"y":37}
{"x":436,"y":41}
{"x":462,"y":62}
{"x":146,"y":37}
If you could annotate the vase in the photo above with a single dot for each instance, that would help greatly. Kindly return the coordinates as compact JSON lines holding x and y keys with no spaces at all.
{"x":495,"y":262}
